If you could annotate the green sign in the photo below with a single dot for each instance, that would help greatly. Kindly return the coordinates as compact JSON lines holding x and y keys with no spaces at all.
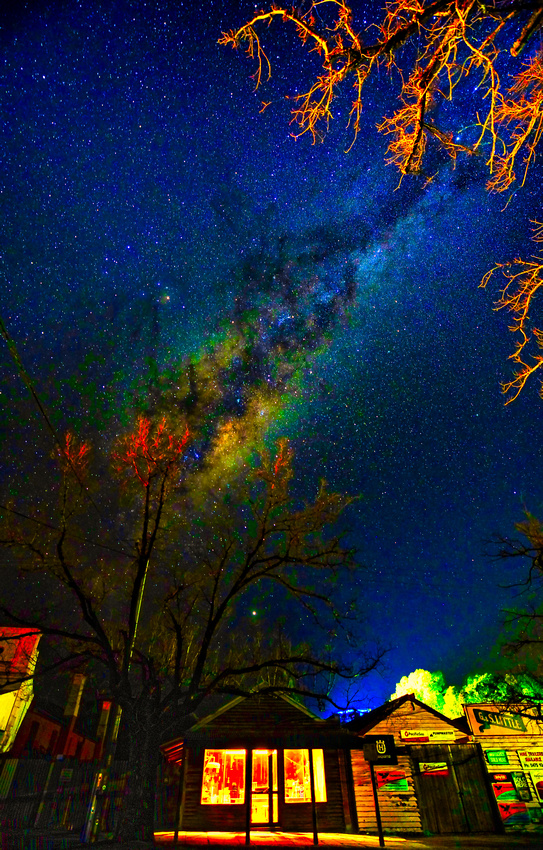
{"x":496,"y":757}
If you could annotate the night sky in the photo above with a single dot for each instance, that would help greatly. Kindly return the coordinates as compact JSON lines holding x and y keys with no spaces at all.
{"x":145,"y":200}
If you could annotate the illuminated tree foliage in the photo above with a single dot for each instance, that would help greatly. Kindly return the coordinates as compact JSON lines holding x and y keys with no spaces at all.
{"x":154,"y":591}
{"x":453,"y":41}
{"x":524,"y":280}
{"x":431,"y":689}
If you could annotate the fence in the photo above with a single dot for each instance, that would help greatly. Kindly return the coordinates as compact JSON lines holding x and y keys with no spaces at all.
{"x":37,"y":793}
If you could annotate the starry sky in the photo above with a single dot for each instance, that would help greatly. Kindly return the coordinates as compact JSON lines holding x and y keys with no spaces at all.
{"x":147,"y":205}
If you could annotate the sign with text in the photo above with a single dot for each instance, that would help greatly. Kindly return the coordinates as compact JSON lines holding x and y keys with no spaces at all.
{"x":531,"y":759}
{"x":496,"y":757}
{"x":514,"y":813}
{"x":434,"y":768}
{"x":380,"y":749}
{"x":491,"y":719}
{"x":537,"y":779}
{"x":427,"y":736}
{"x":391,"y":780}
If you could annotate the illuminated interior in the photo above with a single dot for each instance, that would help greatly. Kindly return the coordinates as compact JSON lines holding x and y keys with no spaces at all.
{"x":260,"y":792}
{"x":297,"y":780}
{"x":224,"y":777}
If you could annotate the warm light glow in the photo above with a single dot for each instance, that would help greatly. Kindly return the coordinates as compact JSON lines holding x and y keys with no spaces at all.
{"x":223,"y":780}
{"x":297,"y":778}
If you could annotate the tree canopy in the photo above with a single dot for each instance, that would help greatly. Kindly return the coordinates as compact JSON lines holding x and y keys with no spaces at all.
{"x":168,"y":598}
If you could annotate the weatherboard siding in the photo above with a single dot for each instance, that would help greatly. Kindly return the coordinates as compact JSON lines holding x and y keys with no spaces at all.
{"x":413,"y":717}
{"x":399,"y":810}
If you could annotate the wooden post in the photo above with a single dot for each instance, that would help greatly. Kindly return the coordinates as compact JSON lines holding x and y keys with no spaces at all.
{"x":178,"y":799}
{"x":377,"y":812}
{"x":313,"y":800}
{"x":270,"y":789}
{"x":248,"y":794}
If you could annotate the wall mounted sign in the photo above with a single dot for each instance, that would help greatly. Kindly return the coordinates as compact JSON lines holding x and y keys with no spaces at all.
{"x":490,"y":719}
{"x":496,"y":757}
{"x":513,"y":814}
{"x":391,"y":780}
{"x":531,"y":759}
{"x":520,"y":781}
{"x":537,"y":779}
{"x":434,"y":768}
{"x":504,"y":789}
{"x":427,"y":736}
{"x":380,"y":749}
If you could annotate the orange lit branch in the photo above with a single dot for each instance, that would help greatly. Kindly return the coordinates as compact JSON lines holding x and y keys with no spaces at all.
{"x":524,"y":280}
{"x":523,"y":109}
{"x":454,"y":38}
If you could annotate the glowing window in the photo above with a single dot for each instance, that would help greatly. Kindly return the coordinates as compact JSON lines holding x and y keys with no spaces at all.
{"x":297,"y":781}
{"x":223,"y":781}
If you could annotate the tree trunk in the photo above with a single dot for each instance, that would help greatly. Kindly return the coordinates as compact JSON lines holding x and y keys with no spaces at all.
{"x":138,"y":812}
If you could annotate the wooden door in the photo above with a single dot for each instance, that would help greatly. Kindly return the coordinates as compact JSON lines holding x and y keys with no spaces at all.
{"x":264,"y":793}
{"x":453,"y":799}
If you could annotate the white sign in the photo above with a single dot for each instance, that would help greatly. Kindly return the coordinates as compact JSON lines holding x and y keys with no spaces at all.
{"x":531,"y":759}
{"x":427,"y":736}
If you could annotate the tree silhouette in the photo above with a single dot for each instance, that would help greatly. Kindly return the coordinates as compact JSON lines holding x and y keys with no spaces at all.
{"x":157,"y":590}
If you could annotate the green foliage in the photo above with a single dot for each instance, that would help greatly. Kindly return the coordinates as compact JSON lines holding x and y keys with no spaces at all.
{"x":431,"y":689}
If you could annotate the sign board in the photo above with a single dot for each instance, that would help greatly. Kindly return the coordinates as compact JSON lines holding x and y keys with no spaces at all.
{"x":537,"y":779}
{"x":520,"y":782}
{"x":391,"y":780}
{"x":427,"y":736}
{"x":496,"y":757}
{"x":380,"y":749}
{"x":514,"y":813}
{"x":434,"y":768}
{"x":488,"y":719}
{"x":531,"y":759}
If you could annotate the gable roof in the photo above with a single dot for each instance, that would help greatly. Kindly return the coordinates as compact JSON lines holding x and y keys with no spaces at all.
{"x":263,"y":721}
{"x":210,"y":718}
{"x":363,"y":724}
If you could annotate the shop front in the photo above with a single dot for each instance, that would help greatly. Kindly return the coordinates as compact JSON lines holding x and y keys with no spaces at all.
{"x":264,"y":763}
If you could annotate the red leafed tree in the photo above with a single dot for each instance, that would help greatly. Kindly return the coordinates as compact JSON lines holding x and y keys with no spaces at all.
{"x":153,"y":587}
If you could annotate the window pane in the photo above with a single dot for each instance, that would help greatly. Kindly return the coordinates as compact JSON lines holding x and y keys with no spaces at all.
{"x":297,"y":785}
{"x":297,"y":780}
{"x":223,"y":780}
{"x":320,"y":784}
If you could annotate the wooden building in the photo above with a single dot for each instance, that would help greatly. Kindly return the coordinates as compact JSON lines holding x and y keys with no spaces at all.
{"x":264,"y":762}
{"x":511,"y":739}
{"x":439,"y":784}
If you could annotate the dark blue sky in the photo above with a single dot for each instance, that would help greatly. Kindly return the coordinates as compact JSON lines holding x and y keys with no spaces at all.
{"x":137,"y":180}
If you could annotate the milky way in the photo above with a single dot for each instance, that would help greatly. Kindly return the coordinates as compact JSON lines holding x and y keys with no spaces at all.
{"x":153,"y":219}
